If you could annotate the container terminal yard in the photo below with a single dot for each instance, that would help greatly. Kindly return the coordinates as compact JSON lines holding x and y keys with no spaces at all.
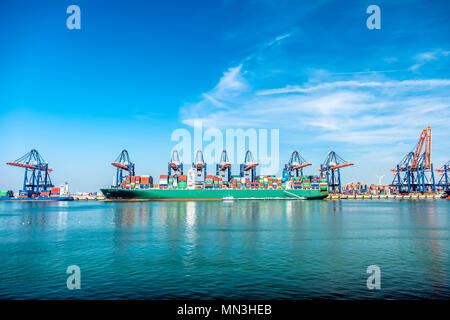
{"x":413,"y":178}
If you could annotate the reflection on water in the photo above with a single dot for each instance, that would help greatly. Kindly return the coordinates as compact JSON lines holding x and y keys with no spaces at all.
{"x":232,"y":249}
{"x":427,"y":233}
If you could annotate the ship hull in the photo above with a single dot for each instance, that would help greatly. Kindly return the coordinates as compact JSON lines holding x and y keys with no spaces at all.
{"x":210,"y":194}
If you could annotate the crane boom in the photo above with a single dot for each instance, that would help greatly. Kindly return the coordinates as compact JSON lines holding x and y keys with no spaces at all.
{"x":120,"y":166}
{"x":28,"y":166}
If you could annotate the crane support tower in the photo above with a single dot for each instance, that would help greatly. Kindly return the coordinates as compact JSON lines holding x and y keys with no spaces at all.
{"x":123,"y":163}
{"x":414,"y":173}
{"x":295,"y":165}
{"x":199,"y":164}
{"x":249,"y":166}
{"x":175,"y":165}
{"x":331,"y":169}
{"x":37,"y":173}
{"x":444,"y":181}
{"x":224,"y":166}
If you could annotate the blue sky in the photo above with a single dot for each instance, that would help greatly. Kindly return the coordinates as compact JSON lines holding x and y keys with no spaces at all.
{"x":138,"y":70}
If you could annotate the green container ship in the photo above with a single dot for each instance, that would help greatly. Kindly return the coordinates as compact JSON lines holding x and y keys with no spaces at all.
{"x":118,"y":194}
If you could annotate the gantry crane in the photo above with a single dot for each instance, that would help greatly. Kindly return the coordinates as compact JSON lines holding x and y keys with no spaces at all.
{"x":414,"y":173}
{"x":444,"y":181}
{"x":37,"y":172}
{"x":199,"y":164}
{"x":331,"y":168}
{"x":296,"y":164}
{"x":224,"y":166}
{"x":249,"y":166}
{"x":123,"y":163}
{"x":175,"y":165}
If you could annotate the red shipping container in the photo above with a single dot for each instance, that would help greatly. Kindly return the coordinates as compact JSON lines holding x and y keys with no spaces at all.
{"x":182,"y":177}
{"x":55,"y":190}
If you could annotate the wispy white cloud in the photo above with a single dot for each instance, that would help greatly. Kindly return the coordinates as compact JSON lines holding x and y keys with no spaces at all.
{"x":219,"y":100}
{"x":354,"y":111}
{"x":231,"y":81}
{"x":264,"y":47}
{"x":425,"y":57}
{"x":421,"y":84}
{"x":372,"y":114}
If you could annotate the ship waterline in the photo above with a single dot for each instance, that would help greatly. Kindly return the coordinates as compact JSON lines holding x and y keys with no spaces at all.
{"x":113,"y":194}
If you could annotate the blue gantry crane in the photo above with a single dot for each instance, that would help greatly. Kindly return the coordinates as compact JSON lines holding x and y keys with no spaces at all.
{"x":414,"y":173}
{"x":175,"y":166}
{"x":224,"y":166}
{"x":37,"y":173}
{"x":249,"y":166}
{"x":123,"y":165}
{"x":331,"y":169}
{"x":199,"y":164}
{"x":444,"y":181}
{"x":295,"y":166}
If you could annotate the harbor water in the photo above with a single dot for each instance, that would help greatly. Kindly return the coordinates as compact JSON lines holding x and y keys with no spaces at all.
{"x":229,"y":250}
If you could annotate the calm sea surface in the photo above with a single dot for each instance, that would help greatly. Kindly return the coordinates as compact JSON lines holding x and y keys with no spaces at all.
{"x":235,"y":250}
